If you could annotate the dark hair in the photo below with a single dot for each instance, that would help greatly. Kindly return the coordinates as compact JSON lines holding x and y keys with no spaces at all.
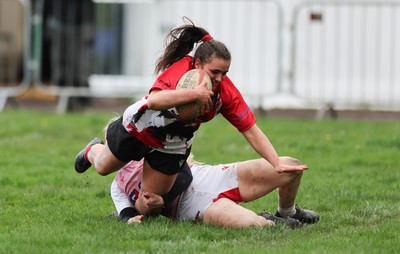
{"x":182,"y":40}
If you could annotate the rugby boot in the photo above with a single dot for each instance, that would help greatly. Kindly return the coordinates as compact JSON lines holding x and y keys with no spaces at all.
{"x":81,"y":164}
{"x":303,"y":215}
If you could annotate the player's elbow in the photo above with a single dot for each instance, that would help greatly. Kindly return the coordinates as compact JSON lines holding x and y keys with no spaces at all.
{"x":152,"y":104}
{"x":154,"y":101}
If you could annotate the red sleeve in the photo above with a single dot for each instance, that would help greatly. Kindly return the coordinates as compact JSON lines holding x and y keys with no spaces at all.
{"x":234,"y":108}
{"x":170,"y":77}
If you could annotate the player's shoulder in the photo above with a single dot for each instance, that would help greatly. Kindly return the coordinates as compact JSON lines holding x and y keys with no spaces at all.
{"x":177,"y":69}
{"x":185,"y":63}
{"x":170,"y":76}
{"x":227,"y":85}
{"x":227,"y":89}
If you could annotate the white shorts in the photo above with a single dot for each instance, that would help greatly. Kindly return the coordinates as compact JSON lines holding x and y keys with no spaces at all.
{"x":209,"y":184}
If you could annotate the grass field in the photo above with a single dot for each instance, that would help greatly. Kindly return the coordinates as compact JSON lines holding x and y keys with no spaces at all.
{"x":353,"y":182}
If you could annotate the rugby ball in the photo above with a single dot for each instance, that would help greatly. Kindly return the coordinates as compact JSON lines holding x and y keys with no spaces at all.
{"x":191,"y":80}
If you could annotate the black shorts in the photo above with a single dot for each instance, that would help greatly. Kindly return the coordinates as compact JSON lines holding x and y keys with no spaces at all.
{"x":126,"y":147}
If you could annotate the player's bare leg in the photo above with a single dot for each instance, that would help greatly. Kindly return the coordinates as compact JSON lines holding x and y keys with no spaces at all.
{"x":258,"y":177}
{"x":98,"y":154}
{"x":287,"y":192}
{"x":226,"y":213}
{"x":155,"y":182}
{"x":103,"y":160}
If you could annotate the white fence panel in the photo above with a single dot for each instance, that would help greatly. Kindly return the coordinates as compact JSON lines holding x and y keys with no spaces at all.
{"x":347,"y":54}
{"x":128,"y":36}
{"x":252,"y":30}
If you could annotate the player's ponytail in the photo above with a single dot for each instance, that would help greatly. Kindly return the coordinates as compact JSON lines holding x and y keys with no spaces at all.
{"x":180,"y":42}
{"x":210,"y":48}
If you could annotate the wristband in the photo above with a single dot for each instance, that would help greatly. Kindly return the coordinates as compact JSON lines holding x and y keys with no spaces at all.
{"x":127,"y":213}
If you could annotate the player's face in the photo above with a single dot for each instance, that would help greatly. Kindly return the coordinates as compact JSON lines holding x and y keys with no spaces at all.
{"x":216,"y":68}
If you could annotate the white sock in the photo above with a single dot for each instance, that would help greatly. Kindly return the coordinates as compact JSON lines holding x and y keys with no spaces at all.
{"x":287,"y":212}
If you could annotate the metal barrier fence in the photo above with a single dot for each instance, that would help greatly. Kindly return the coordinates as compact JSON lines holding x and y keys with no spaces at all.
{"x":344,"y":53}
{"x":14,"y":48}
{"x":252,"y":30}
{"x":109,"y":48}
{"x":347,"y":54}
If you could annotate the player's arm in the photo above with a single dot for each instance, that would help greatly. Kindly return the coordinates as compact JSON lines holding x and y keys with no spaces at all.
{"x":126,"y":212}
{"x":129,"y":216}
{"x":261,"y":144}
{"x":165,"y":99}
{"x":154,"y":202}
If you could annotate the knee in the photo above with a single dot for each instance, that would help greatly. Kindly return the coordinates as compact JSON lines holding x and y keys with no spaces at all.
{"x":296,"y":174}
{"x":290,"y":161}
{"x":293,"y":162}
{"x":103,"y":173}
{"x":101,"y":170}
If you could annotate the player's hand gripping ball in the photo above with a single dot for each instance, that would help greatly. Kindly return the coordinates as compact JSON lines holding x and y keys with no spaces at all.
{"x":190,"y":80}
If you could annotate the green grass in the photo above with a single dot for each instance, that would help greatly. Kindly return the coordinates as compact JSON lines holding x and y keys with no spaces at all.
{"x":353,"y":182}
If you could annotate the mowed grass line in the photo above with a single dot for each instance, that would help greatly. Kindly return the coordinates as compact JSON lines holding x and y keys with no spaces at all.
{"x":353,"y":182}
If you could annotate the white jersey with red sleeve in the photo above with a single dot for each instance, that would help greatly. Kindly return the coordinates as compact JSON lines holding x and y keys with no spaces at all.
{"x":210,"y":183}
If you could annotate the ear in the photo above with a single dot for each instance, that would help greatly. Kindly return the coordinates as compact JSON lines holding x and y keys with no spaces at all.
{"x":197,"y":64}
